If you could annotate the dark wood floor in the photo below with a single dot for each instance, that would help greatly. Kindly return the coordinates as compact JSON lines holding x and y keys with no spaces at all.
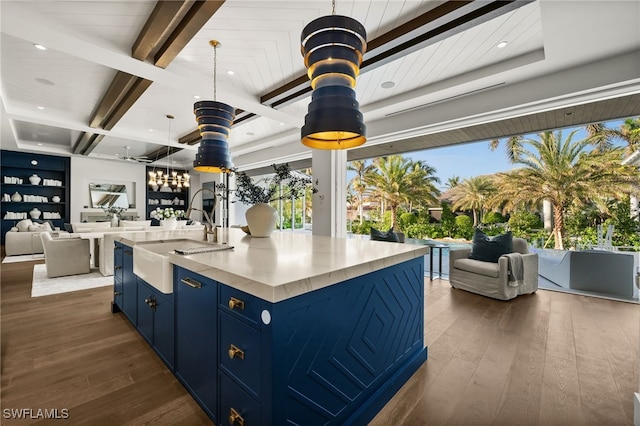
{"x":545,"y":359}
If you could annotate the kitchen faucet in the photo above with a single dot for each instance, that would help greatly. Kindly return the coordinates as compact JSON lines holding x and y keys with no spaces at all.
{"x":209,"y":226}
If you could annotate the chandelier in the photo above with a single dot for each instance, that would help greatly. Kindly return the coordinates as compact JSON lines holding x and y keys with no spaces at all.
{"x":333,"y":47}
{"x":214,"y":123}
{"x":173,"y":178}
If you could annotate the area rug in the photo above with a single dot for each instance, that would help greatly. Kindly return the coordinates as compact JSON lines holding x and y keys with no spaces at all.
{"x":23,"y":258}
{"x":45,"y":286}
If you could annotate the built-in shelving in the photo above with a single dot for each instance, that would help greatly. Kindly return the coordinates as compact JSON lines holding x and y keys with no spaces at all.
{"x":178,"y":198}
{"x":21,"y":166}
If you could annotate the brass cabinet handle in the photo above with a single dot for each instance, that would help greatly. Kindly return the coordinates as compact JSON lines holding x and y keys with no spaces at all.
{"x":235,"y":352}
{"x":235,"y":418}
{"x":117,"y":267}
{"x":236,"y":303}
{"x":191,"y":282}
{"x":151,"y":301}
{"x":116,"y":293}
{"x":128,"y":252}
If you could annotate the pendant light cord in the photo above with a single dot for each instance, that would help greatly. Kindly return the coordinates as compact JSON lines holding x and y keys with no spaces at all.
{"x":333,"y":7}
{"x":215,"y":67}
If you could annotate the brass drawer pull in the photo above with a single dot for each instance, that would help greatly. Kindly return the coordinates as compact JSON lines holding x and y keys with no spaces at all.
{"x":235,"y":418}
{"x":128,"y":252}
{"x":117,"y":267}
{"x":191,"y":282}
{"x":236,"y":303}
{"x":116,"y":293}
{"x":235,"y":352}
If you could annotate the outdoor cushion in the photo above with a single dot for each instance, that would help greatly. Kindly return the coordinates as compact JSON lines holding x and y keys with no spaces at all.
{"x":388,"y":236}
{"x":488,"y":269}
{"x":489,"y":249}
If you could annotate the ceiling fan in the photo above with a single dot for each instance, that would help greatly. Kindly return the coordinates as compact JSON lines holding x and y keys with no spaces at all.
{"x":127,"y":157}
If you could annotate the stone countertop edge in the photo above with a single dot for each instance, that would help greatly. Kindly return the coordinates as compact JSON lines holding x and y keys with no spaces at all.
{"x":263,"y":282}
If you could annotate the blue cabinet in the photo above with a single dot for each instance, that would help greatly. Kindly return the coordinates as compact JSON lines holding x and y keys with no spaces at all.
{"x":196,"y":363}
{"x":330,"y":356}
{"x":156,"y":320}
{"x":129,"y":286}
{"x":116,"y":305}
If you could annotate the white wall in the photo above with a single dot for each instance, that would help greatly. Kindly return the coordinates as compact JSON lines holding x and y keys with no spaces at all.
{"x":85,"y":170}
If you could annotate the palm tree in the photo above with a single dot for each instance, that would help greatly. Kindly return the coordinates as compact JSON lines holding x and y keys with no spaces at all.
{"x":564,"y":172}
{"x":629,"y":132}
{"x":358,"y":183}
{"x":453,"y":181}
{"x":399,"y":180}
{"x":472,"y":194}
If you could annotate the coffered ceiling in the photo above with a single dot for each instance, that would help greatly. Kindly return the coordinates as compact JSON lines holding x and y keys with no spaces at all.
{"x":433,"y":74}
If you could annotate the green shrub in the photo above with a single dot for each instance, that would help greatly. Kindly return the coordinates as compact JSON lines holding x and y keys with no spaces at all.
{"x":492,"y":218}
{"x":523,"y":221}
{"x":464,"y":227}
{"x":406,"y":219}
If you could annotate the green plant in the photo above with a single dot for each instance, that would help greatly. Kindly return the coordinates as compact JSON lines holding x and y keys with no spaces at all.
{"x":464,"y":227}
{"x":491,"y":218}
{"x":268,"y":189}
{"x":406,"y":219}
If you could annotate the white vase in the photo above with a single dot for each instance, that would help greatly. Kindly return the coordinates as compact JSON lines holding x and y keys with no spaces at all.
{"x":16,"y":197}
{"x":169,"y":223}
{"x":35,"y":213}
{"x":114,"y":221}
{"x":55,"y":199}
{"x":261,"y":219}
{"x":34,"y":179}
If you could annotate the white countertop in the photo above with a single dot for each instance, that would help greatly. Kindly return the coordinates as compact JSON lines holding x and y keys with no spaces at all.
{"x":286,"y":264}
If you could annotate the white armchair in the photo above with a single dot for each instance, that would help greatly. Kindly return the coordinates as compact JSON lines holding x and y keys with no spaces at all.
{"x":65,"y":256}
{"x":492,"y":279}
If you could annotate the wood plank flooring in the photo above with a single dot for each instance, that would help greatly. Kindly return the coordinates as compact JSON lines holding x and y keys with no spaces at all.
{"x":545,"y":359}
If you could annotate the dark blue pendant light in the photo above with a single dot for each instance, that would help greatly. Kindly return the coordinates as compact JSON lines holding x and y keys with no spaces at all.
{"x":214,"y":123}
{"x":333,"y":47}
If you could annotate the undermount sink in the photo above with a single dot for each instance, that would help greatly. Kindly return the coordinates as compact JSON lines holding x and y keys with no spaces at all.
{"x":151,"y":261}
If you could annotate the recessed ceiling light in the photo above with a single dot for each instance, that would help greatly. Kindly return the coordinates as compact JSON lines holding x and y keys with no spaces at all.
{"x":502,"y":44}
{"x":387,"y":84}
{"x":39,"y":144}
{"x":40,"y":107}
{"x":151,"y":130}
{"x":45,"y":81}
{"x":250,"y":134}
{"x":282,"y":124}
{"x":196,"y":96}
{"x":230,"y":72}
{"x":39,"y":46}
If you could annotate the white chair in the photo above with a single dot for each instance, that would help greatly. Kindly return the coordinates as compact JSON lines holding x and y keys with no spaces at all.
{"x":65,"y":256}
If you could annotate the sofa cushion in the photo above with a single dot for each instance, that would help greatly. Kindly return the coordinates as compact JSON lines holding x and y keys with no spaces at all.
{"x":137,"y":223}
{"x":23,"y":225}
{"x":389,"y":236}
{"x":42,"y":227}
{"x":489,"y":249}
{"x":480,"y":267}
{"x":90,"y":226}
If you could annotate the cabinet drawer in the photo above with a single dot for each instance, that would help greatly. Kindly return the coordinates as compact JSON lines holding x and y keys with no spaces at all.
{"x":241,"y":305}
{"x":236,"y":406}
{"x":240,"y":352}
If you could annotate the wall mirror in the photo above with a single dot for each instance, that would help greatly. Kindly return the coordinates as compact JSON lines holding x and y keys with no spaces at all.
{"x":108,"y":195}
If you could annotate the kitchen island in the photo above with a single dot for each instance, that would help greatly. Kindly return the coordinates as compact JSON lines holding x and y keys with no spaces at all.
{"x":291,"y":329}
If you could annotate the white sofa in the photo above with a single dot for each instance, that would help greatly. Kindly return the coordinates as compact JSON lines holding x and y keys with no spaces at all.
{"x":24,"y":238}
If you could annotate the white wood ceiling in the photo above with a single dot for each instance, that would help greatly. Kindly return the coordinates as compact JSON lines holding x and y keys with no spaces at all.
{"x":89,"y":41}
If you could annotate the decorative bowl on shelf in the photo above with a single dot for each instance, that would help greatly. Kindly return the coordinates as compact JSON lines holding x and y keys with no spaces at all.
{"x":55,"y":199}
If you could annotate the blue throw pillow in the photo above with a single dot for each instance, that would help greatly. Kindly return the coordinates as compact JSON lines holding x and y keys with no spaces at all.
{"x":388,"y":236}
{"x":489,"y":249}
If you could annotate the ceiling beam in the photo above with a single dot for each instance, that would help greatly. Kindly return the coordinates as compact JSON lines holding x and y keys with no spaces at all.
{"x":155,"y":27}
{"x":126,"y":89}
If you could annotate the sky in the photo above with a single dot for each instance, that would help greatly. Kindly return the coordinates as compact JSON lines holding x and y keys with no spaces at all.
{"x":475,"y":159}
